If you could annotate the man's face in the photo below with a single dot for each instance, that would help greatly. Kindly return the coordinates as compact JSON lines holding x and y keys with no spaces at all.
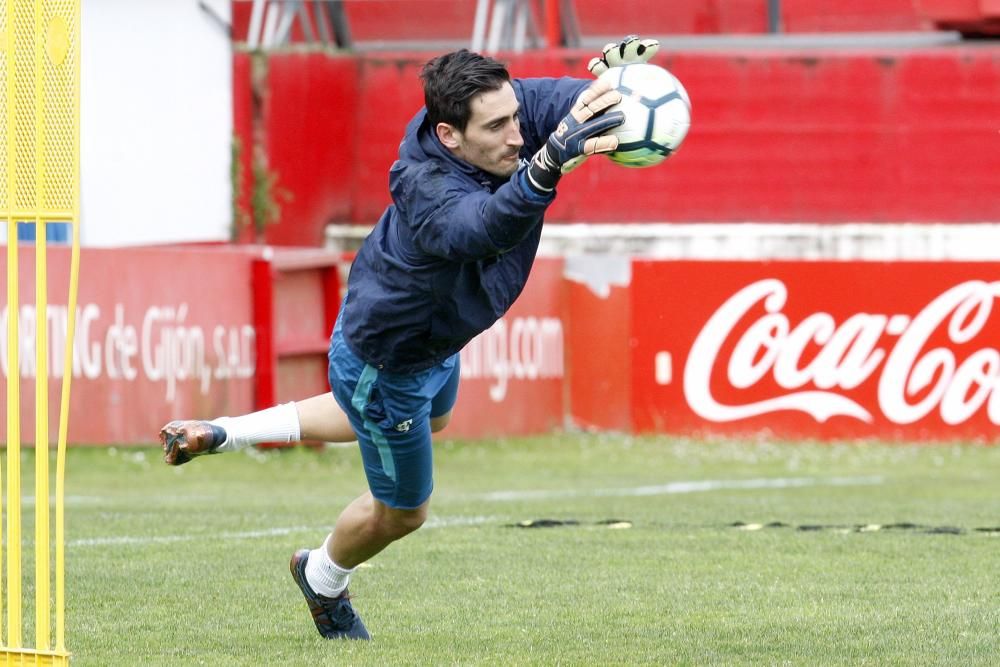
{"x":492,"y":139}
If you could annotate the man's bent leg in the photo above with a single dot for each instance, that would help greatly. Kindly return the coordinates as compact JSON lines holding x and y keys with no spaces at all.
{"x":183,"y":440}
{"x":315,"y":418}
{"x":443,"y":403}
{"x":439,"y":423}
{"x":364,"y":528}
{"x":320,"y":418}
{"x":367,"y":526}
{"x":391,"y":415}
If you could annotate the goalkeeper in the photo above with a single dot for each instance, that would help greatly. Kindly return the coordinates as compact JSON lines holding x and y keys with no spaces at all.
{"x":477,"y":168}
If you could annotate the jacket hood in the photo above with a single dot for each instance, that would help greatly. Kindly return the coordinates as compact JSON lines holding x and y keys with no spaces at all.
{"x":419,"y":145}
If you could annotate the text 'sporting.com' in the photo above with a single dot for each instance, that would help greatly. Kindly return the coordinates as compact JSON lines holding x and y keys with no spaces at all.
{"x":520,"y":348}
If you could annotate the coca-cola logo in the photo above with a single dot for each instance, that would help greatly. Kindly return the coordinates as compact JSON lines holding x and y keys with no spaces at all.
{"x":817,"y":361}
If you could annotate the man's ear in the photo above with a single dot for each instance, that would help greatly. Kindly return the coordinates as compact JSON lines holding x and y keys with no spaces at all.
{"x":448,"y":135}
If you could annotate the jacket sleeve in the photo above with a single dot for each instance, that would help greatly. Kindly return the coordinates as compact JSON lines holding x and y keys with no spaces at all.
{"x":451,"y":217}
{"x":544,"y":102}
{"x":455,"y":220}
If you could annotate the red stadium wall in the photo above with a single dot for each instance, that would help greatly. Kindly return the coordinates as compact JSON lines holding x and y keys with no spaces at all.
{"x":971,"y":17}
{"x":803,"y":16}
{"x":706,"y":17}
{"x":744,"y":17}
{"x":383,"y":20}
{"x":295,"y":113}
{"x":437,"y":20}
{"x":811,"y":136}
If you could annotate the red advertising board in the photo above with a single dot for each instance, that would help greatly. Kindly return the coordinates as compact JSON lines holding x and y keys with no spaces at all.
{"x":172,"y":333}
{"x":817,"y":349}
{"x":897,"y":350}
{"x":512,"y":374}
{"x":161,"y":334}
{"x":598,"y":301}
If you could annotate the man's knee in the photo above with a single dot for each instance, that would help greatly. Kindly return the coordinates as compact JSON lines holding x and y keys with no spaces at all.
{"x":438,"y":423}
{"x":400,"y":522}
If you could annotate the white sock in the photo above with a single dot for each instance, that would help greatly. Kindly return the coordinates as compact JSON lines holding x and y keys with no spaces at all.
{"x":277,"y":424}
{"x":324,"y":576}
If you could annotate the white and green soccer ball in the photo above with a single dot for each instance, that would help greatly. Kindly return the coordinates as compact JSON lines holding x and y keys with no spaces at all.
{"x":657,"y":114}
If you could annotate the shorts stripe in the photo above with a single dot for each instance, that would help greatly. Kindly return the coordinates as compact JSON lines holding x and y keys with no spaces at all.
{"x":362,"y":394}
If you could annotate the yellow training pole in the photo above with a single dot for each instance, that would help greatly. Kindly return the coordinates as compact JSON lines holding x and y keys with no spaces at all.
{"x":67,"y":377}
{"x":13,"y":445}
{"x":61,"y":447}
{"x":20,"y":142}
{"x":13,"y":374}
{"x":13,"y":438}
{"x":42,"y":524}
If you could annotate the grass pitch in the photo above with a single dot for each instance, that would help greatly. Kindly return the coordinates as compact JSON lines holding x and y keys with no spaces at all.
{"x":737,"y":553}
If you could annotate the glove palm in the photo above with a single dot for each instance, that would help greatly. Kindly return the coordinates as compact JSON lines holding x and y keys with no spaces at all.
{"x":579,"y":135}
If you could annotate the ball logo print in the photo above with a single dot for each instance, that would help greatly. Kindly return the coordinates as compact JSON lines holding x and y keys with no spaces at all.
{"x":657,"y":114}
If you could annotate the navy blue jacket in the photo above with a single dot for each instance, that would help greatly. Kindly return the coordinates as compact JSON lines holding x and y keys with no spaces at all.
{"x":453,"y":251}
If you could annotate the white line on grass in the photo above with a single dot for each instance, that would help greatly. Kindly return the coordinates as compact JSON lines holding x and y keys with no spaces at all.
{"x":167,"y":539}
{"x":456,"y":521}
{"x":126,"y":540}
{"x":681,"y":487}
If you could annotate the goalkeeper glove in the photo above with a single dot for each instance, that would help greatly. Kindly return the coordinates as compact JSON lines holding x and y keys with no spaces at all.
{"x":629,"y":51}
{"x":577,"y":136}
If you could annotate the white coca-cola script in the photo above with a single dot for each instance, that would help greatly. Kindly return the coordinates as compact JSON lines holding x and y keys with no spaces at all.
{"x":914,"y":378}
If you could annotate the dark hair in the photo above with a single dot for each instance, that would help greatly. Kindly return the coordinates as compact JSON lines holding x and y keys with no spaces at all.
{"x":452,"y":80}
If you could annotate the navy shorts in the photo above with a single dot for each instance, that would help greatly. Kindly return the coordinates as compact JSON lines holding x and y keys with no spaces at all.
{"x":390,"y":414}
